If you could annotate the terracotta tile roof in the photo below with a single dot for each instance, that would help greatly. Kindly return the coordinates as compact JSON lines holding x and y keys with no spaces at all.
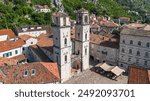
{"x":19,"y":58}
{"x":138,"y":75}
{"x":124,"y":18}
{"x":95,"y":26}
{"x":108,"y":23}
{"x":44,"y":73}
{"x":136,"y":29}
{"x":8,"y":32}
{"x":45,"y":41}
{"x":7,"y":61}
{"x":105,"y":40}
{"x":60,"y":14}
{"x":25,"y":37}
{"x":8,"y":45}
{"x":52,"y":67}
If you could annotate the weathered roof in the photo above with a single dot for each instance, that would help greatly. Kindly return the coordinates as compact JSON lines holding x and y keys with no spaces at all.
{"x":137,"y":30}
{"x":44,"y":73}
{"x":7,"y":61}
{"x":108,"y":40}
{"x":60,"y":14}
{"x":25,"y":37}
{"x":138,"y":75}
{"x":19,"y":58}
{"x":8,"y":44}
{"x":108,"y":23}
{"x":82,"y":10}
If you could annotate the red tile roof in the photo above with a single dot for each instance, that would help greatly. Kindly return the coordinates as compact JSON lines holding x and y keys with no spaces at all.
{"x":19,"y":58}
{"x":8,"y":45}
{"x":44,"y":73}
{"x":7,"y":61}
{"x":25,"y":37}
{"x":8,"y":32}
{"x":105,"y":40}
{"x":108,"y":23}
{"x":138,"y":75}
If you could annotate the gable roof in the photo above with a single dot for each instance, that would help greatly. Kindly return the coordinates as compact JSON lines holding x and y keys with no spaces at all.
{"x":44,"y":73}
{"x":8,"y":44}
{"x":8,"y":32}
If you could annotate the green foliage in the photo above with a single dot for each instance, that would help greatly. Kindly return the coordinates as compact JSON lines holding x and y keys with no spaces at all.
{"x":21,"y":14}
{"x":42,"y":2}
{"x":103,"y":7}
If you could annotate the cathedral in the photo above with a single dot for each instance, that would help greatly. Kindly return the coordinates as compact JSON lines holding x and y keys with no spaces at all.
{"x":71,"y":54}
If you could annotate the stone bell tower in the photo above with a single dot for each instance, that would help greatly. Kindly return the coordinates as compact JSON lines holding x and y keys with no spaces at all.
{"x":82,"y":37}
{"x":62,"y":44}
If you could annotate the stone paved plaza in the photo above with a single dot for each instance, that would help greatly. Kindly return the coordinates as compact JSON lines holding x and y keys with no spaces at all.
{"x":91,"y":77}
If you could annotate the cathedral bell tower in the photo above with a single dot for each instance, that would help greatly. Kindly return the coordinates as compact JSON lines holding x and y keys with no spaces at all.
{"x":62,"y":44}
{"x":82,"y":32}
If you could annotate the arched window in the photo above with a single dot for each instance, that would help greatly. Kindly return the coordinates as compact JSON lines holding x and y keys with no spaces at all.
{"x":33,"y":72}
{"x":65,"y":41}
{"x":130,"y":51}
{"x":25,"y":72}
{"x":131,"y":42}
{"x":139,"y":43}
{"x":148,"y":44}
{"x":138,"y":53}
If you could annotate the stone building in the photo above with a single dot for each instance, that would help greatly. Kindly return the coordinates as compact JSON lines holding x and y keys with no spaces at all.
{"x":71,"y":53}
{"x":135,"y":46}
{"x":104,"y":48}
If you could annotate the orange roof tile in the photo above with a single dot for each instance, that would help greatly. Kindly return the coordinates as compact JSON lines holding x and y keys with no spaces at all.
{"x":53,"y":68}
{"x":19,"y":58}
{"x":138,"y":75}
{"x":8,"y":32}
{"x":8,"y":45}
{"x":7,"y":61}
{"x":25,"y":37}
{"x":105,"y":40}
{"x":108,"y":23}
{"x":47,"y":73}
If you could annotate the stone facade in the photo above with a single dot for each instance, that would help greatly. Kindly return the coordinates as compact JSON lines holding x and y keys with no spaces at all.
{"x":135,"y":46}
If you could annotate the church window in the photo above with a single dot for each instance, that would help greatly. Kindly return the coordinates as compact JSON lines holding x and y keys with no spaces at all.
{"x":65,"y":41}
{"x":85,"y":51}
{"x":65,"y":58}
{"x":85,"y":36}
{"x":86,"y":19}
